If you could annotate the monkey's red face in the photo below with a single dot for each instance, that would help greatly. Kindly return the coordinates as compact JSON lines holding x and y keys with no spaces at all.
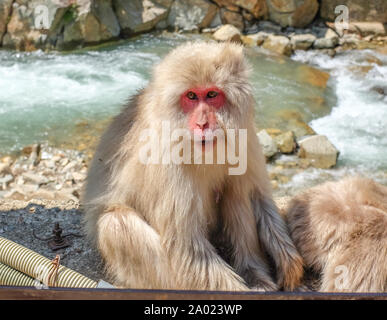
{"x":200,"y":105}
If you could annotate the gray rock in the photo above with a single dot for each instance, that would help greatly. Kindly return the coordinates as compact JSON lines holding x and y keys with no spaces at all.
{"x":269,"y":146}
{"x":137,"y":16}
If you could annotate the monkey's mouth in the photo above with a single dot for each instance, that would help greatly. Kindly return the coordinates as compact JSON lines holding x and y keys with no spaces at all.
{"x":205,"y":141}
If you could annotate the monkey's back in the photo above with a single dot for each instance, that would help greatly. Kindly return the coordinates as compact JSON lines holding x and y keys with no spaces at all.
{"x":343,"y":224}
{"x":99,"y":174}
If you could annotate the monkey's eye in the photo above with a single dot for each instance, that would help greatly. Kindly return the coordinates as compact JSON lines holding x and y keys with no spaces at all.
{"x":212,"y":94}
{"x":192,"y":95}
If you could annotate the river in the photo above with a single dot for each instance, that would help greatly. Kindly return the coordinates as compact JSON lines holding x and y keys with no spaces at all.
{"x":49,"y":96}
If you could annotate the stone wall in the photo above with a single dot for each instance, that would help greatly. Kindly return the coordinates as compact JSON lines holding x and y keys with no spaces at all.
{"x":68,"y":24}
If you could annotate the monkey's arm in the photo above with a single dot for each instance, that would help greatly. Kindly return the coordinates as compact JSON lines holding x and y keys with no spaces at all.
{"x":274,"y":235}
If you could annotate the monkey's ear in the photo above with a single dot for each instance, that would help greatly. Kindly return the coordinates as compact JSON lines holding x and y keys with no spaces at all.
{"x":233,"y":60}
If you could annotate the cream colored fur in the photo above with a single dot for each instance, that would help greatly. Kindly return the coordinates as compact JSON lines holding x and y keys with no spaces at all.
{"x":156,"y":225}
{"x":343,"y":224}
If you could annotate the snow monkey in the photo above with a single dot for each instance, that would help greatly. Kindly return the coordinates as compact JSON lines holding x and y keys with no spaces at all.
{"x":187,"y":225}
{"x":340,"y":229}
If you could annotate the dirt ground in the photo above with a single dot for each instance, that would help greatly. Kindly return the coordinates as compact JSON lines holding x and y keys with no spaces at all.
{"x":19,"y":220}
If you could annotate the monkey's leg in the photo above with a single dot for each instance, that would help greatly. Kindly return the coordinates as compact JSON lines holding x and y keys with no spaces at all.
{"x":274,"y":235}
{"x":132,"y":251}
{"x":196,"y":263}
{"x":241,"y":232}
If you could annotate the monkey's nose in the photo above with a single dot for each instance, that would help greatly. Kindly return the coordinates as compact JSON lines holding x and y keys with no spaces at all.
{"x":202,"y":125}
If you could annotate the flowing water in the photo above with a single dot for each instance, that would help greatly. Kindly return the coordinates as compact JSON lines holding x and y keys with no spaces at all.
{"x":56,"y":97}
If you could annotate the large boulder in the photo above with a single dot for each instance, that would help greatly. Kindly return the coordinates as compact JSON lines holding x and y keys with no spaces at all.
{"x":137,"y":16}
{"x":5,"y":10}
{"x":190,"y":15}
{"x":90,"y":23}
{"x":29,"y":23}
{"x":293,"y":13}
{"x":231,"y":17}
{"x":257,"y":7}
{"x":359,"y":10}
{"x":60,"y":23}
{"x":322,"y":153}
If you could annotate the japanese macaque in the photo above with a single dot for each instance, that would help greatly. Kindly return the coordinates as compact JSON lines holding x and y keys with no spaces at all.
{"x":340,"y":229}
{"x":187,"y":225}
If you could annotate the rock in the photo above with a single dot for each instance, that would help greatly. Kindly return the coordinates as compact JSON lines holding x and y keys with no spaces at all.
{"x":255,"y":39}
{"x":313,"y":76}
{"x":4,"y":168}
{"x":257,"y":8}
{"x":228,"y":33}
{"x":269,"y":27}
{"x":5,"y":10}
{"x":79,"y":176}
{"x":324,"y":43}
{"x":294,"y":13}
{"x":269,"y":147}
{"x":189,"y":15}
{"x":330,"y":40}
{"x":367,"y":28}
{"x":7,"y":160}
{"x":278,"y":44}
{"x":5,"y":180}
{"x":35,"y":178}
{"x":233,"y":18}
{"x":108,"y":24}
{"x":273,"y":132}
{"x":319,"y":150}
{"x":286,"y":142}
{"x":359,"y":10}
{"x":302,"y":41}
{"x":136,"y":16}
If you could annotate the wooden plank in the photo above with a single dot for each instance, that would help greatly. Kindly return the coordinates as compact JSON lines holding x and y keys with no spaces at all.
{"x":24,"y":293}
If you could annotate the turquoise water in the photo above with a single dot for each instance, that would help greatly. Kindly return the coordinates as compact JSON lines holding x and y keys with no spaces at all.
{"x":44,"y":96}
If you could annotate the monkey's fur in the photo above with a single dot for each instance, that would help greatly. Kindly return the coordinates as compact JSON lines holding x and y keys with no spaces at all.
{"x":341,"y":227}
{"x":159,"y":226}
